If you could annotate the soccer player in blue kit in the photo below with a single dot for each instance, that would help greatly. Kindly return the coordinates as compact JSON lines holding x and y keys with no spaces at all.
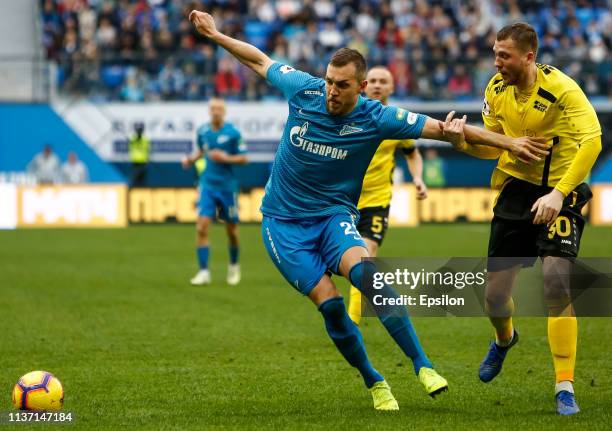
{"x":309,"y":207}
{"x":221,"y":144}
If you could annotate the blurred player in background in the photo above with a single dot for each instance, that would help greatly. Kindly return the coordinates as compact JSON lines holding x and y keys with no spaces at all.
{"x":538,"y":209}
{"x":45,"y":166}
{"x":434,"y":169}
{"x":74,"y":171}
{"x":377,"y":185}
{"x":139,"y":149}
{"x":309,"y":207}
{"x":222,"y":146}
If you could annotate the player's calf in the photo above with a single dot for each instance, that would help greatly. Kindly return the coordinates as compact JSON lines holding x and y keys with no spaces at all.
{"x":395,"y":319}
{"x":347,"y":338}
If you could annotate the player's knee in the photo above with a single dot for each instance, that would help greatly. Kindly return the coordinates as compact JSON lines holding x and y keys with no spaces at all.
{"x":500,"y":280}
{"x":361,"y":272}
{"x":556,"y":286}
{"x":556,"y":292}
{"x":202,"y":230}
{"x":323,"y":291}
{"x":372,"y":247}
{"x":232,"y":234}
{"x":362,"y":276}
{"x":499,"y":288}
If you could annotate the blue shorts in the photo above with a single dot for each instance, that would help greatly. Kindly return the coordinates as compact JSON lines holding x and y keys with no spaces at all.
{"x":218,"y":203}
{"x":304,"y":250}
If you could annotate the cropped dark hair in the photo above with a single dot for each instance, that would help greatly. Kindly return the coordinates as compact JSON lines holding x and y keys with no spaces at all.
{"x":344,"y":56}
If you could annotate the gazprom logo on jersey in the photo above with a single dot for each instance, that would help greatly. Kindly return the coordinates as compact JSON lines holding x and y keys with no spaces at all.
{"x":296,"y":136}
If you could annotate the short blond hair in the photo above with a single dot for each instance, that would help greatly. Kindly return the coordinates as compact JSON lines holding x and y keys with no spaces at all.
{"x":523,"y":35}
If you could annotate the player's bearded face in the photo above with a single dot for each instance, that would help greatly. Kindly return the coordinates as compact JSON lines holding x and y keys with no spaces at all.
{"x":342,"y":88}
{"x":510,"y":61}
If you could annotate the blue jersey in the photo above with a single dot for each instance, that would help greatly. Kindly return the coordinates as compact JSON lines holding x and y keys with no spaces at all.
{"x":321,"y":160}
{"x":219,"y":176}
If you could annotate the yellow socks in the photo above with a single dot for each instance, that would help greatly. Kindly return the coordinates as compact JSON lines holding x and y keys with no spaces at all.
{"x":503,"y":330}
{"x":354,"y":309}
{"x":501,"y":318}
{"x":563,"y":338}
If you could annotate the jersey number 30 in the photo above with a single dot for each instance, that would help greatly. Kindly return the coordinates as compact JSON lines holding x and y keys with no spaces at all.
{"x":560,"y":227}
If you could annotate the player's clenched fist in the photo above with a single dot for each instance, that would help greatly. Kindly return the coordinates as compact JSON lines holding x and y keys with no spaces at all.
{"x":452,"y":128}
{"x":203,"y":23}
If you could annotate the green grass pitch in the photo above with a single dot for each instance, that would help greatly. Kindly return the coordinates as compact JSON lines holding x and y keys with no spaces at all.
{"x":112,"y":315}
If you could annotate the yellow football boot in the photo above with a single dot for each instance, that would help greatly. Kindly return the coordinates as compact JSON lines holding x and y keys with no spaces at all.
{"x":382,"y":396}
{"x":433,"y":382}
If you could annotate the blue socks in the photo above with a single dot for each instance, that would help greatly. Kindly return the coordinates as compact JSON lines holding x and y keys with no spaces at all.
{"x":396,"y":321}
{"x":233,"y":254}
{"x":202,"y":253}
{"x":347,"y":338}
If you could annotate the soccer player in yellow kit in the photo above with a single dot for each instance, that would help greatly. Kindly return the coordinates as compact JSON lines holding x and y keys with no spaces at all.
{"x":377,"y":187}
{"x":375,"y":199}
{"x":538,"y":208}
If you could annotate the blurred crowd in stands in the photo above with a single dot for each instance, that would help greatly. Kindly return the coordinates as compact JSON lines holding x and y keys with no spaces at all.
{"x":47,"y":168}
{"x":146,"y":50}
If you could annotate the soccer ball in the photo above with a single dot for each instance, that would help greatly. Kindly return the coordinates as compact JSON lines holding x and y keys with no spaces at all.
{"x":38,"y":390}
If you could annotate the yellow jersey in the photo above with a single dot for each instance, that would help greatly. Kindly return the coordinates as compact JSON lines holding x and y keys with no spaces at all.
{"x":139,"y":149}
{"x":555,"y":108}
{"x":378,"y":181}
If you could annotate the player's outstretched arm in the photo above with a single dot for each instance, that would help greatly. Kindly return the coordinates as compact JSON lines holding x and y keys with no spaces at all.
{"x":526,"y":149}
{"x":415,"y":167}
{"x":190,"y":159}
{"x":451,"y":130}
{"x":482,"y":151}
{"x":246,"y":53}
{"x":455,"y":131}
{"x":231,"y":159}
